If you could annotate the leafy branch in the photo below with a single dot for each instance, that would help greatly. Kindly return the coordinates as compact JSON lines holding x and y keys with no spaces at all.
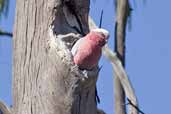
{"x":4,"y":6}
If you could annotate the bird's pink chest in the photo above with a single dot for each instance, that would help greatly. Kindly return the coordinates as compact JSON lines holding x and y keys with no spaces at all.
{"x":88,"y":55}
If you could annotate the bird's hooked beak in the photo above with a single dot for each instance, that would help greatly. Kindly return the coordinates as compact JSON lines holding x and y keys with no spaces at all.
{"x":104,"y":32}
{"x":106,"y":35}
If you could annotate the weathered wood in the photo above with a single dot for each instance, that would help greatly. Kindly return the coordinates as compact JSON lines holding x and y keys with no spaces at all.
{"x":122,"y":9}
{"x":45,"y":81}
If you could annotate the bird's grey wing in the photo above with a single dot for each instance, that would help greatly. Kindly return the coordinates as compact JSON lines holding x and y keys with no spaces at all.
{"x":76,"y":46}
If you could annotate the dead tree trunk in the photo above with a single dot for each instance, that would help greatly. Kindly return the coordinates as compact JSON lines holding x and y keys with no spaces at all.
{"x":45,"y":81}
{"x":122,"y":12}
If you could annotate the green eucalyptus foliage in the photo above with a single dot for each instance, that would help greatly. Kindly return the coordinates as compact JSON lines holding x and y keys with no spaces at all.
{"x":4,"y":7}
{"x":4,"y":4}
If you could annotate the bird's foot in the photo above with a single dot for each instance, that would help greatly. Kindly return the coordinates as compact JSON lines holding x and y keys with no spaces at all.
{"x":82,"y":73}
{"x":85,"y":73}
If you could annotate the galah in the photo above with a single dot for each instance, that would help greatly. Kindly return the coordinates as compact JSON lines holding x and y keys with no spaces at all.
{"x":87,"y":50}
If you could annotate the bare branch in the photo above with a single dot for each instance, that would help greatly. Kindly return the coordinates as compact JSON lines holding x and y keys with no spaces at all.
{"x":4,"y":108}
{"x":122,"y":13}
{"x":4,"y":33}
{"x":120,"y":72}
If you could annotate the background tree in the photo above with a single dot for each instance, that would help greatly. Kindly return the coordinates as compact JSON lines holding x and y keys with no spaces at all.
{"x":122,"y":12}
{"x":4,"y":4}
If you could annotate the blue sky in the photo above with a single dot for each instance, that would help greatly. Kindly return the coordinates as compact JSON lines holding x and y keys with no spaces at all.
{"x":148,"y":53}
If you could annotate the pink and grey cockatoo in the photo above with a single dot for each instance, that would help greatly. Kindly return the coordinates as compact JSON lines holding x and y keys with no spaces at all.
{"x":87,"y":50}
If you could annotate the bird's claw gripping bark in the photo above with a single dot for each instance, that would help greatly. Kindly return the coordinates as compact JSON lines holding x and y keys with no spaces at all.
{"x":82,"y":73}
{"x":85,"y":73}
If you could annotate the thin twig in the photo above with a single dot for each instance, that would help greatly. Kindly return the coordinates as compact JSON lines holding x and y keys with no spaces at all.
{"x":4,"y":33}
{"x":137,"y":108}
{"x":101,"y":19}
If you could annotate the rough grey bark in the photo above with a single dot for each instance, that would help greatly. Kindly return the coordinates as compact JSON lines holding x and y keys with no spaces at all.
{"x":45,"y":81}
{"x":122,"y":12}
